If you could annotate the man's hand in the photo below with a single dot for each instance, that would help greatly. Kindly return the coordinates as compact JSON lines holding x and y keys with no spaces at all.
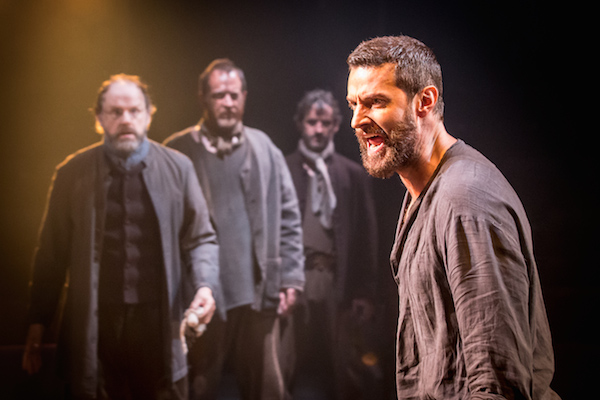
{"x":32,"y":358}
{"x":204,"y":298}
{"x":287,"y":300}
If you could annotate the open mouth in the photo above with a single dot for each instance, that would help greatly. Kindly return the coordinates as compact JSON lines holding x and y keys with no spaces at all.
{"x":375,"y":143}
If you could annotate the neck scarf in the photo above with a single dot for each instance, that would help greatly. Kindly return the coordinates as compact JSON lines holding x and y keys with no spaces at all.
{"x":219,"y":145}
{"x":322,"y":197}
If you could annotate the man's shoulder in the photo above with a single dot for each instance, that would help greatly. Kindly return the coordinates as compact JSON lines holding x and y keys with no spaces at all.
{"x":260,"y":141}
{"x":464,"y":167}
{"x":179,"y":138}
{"x":467,"y":180}
{"x":162,"y":153}
{"x":80,"y":158}
{"x":257,"y":135}
{"x":295,"y":157}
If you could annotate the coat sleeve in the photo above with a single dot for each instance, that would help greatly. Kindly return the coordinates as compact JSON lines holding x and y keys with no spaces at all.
{"x":199,"y":247}
{"x":291,"y":246}
{"x":51,"y":255}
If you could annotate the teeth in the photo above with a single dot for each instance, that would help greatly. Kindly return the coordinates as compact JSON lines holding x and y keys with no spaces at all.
{"x":373,"y":147}
{"x":375,"y":141}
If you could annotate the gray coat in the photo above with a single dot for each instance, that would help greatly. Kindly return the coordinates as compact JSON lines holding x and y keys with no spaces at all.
{"x":272,"y":206}
{"x":70,"y":246}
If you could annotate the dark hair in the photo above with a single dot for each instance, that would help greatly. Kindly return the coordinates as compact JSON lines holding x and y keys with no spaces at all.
{"x":415,"y":63}
{"x":221,"y":64}
{"x":123,"y":77}
{"x":320,"y":97}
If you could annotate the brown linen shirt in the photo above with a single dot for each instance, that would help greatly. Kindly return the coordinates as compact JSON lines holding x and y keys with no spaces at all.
{"x":472,"y":321}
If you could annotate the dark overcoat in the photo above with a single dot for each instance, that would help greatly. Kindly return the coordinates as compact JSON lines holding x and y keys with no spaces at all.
{"x":70,"y":246}
{"x":354,"y":223}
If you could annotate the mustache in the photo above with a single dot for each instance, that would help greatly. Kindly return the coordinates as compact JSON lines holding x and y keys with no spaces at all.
{"x":370,"y":131}
{"x":229,"y":113}
{"x":125,"y":131}
{"x":376,"y":130}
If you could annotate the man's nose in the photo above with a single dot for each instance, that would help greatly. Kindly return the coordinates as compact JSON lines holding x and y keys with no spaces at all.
{"x":127,"y":116}
{"x":359,"y":117}
{"x":228,"y":100}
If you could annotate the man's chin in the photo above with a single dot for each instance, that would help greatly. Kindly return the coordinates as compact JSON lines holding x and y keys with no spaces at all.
{"x":125,"y":147}
{"x":227,"y":125}
{"x":377,"y":170}
{"x":376,"y":164}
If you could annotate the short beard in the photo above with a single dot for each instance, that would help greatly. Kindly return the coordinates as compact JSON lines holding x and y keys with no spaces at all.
{"x":400,"y":150}
{"x":123,"y":149}
{"x":216,"y":126}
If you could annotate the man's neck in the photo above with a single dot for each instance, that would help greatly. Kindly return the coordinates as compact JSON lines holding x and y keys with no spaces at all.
{"x":432,"y":150}
{"x":214,"y":130}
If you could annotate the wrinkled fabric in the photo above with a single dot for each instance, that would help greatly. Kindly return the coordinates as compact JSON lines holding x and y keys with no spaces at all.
{"x":472,"y":321}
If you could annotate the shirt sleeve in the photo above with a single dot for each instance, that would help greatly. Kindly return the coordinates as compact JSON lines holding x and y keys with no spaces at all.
{"x":489,"y":281}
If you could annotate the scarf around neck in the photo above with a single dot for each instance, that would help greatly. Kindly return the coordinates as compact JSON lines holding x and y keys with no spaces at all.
{"x":322,"y":196}
{"x":219,"y":145}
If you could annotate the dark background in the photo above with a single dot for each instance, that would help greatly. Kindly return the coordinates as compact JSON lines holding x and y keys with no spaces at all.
{"x":517,"y":84}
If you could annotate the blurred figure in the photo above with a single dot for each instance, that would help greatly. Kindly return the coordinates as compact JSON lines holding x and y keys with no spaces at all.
{"x":255,"y":210}
{"x":335,"y":325}
{"x":472,"y":321}
{"x":114,"y":233}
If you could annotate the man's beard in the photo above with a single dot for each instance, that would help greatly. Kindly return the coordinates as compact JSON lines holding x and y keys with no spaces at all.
{"x":225,"y":124}
{"x":400,"y":149}
{"x":124,"y":148}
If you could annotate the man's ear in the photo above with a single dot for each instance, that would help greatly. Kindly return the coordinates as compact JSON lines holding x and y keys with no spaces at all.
{"x":427,"y":99}
{"x":98,"y":125}
{"x":149,"y":122}
{"x":201,"y":100}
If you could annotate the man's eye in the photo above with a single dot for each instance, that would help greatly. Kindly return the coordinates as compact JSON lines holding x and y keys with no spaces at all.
{"x":378,"y":102}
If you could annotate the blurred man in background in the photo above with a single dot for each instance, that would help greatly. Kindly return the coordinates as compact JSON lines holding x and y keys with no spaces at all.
{"x":255,"y":210}
{"x":125,"y":228}
{"x":334,"y":322}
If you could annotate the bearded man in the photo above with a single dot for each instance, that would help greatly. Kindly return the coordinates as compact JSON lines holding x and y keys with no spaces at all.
{"x":472,"y":322}
{"x":126,"y":231}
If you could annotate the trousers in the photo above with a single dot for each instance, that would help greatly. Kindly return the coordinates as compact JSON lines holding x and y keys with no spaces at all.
{"x":249,"y":341}
{"x":131,"y":354}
